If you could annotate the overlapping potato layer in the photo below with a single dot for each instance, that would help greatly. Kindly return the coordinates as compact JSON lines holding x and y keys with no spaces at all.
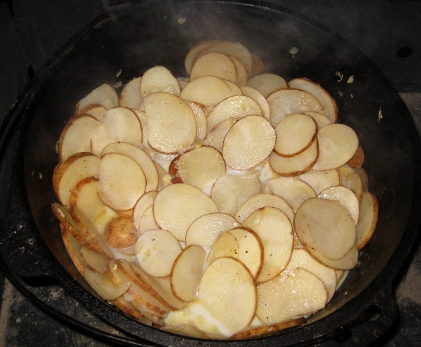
{"x":229,"y":204}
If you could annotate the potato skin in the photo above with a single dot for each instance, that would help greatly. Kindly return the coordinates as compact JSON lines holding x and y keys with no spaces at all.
{"x":121,"y":232}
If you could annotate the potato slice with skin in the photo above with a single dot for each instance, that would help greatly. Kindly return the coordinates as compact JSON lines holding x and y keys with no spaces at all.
{"x":85,"y":197}
{"x":214,"y":64}
{"x":267,"y":83}
{"x":325,"y":99}
{"x":140,"y":157}
{"x":95,"y":261}
{"x":207,"y":90}
{"x":250,"y":249}
{"x":325,"y":226}
{"x":164,"y":179}
{"x":297,"y":164}
{"x":369,"y":211}
{"x":95,"y":110}
{"x":228,"y":291}
{"x":147,"y":221}
{"x":294,"y":134}
{"x":344,"y":196}
{"x":242,"y":73}
{"x":259,"y":201}
{"x":355,"y":183}
{"x":130,"y":95}
{"x":186,"y":272}
{"x":321,"y":179}
{"x":302,"y":293}
{"x":248,"y":142}
{"x":194,"y":51}
{"x":320,"y":118}
{"x":293,"y":190}
{"x":215,"y":137}
{"x":158,"y":79}
{"x":104,"y":286}
{"x":178,"y":205}
{"x":156,"y":251}
{"x":364,"y":177}
{"x":200,"y":167}
{"x":259,"y":98}
{"x":347,"y":262}
{"x":235,"y":90}
{"x":233,"y":189}
{"x":337,"y":144}
{"x":121,"y":181}
{"x":275,"y":231}
{"x":286,"y":101}
{"x":201,"y":121}
{"x":121,"y":232}
{"x":236,"y":107}
{"x":171,"y":122}
{"x":226,"y":245}
{"x":123,"y":125}
{"x":130,"y":310}
{"x":68,"y":173}
{"x":73,"y":248}
{"x":145,"y":201}
{"x":104,"y":95}
{"x":206,"y":229}
{"x":300,"y":258}
{"x":357,"y":159}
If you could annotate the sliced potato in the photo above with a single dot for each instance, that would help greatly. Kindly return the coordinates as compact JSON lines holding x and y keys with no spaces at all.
{"x":259,"y":98}
{"x":73,"y":248}
{"x":194,"y":51}
{"x":215,"y":137}
{"x":104,"y":95}
{"x":104,"y":286}
{"x":267,"y":83}
{"x":248,"y":142}
{"x":321,"y":179}
{"x":187,"y":271}
{"x":147,"y":221}
{"x":242,"y":73}
{"x":206,"y":229}
{"x":130,"y":95}
{"x":156,"y":251}
{"x":325,"y":226}
{"x":95,"y":110}
{"x":95,"y":261}
{"x":214,"y":64}
{"x":85,"y":197}
{"x":369,"y":211}
{"x":145,"y":201}
{"x":158,"y":79}
{"x":121,"y":181}
{"x":226,"y":245}
{"x":121,"y":232}
{"x":178,"y":205}
{"x":123,"y":125}
{"x":201,"y":121}
{"x":347,"y":262}
{"x":320,"y":118}
{"x":275,"y":231}
{"x":228,"y":291}
{"x":302,"y":293}
{"x":357,"y":159}
{"x":354,"y":182}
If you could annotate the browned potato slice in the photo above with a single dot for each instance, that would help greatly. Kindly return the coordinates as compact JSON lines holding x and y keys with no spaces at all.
{"x":325,"y":226}
{"x":200,"y":167}
{"x":300,"y":258}
{"x":369,"y":211}
{"x":68,"y":173}
{"x":236,"y":107}
{"x":297,"y":164}
{"x":187,"y":271}
{"x":293,"y":190}
{"x":145,"y":201}
{"x":233,"y":189}
{"x":325,"y":99}
{"x":95,"y":110}
{"x":259,"y":98}
{"x":95,"y":261}
{"x":104,"y":286}
{"x":320,"y":118}
{"x":121,"y":181}
{"x":226,"y":245}
{"x":286,"y":101}
{"x":275,"y":231}
{"x":121,"y":232}
{"x":156,"y":251}
{"x":302,"y":293}
{"x":158,"y":79}
{"x":201,"y":121}
{"x":242,"y":73}
{"x":130,"y":95}
{"x":82,"y":133}
{"x":357,"y":159}
{"x":354,"y":182}
{"x":171,"y":122}
{"x":267,"y":83}
{"x":294,"y":134}
{"x":206,"y":229}
{"x":104,"y":95}
{"x":248,"y":142}
{"x":127,"y":308}
{"x":178,"y":205}
{"x":228,"y":290}
{"x":215,"y":137}
{"x":194,"y":51}
{"x":321,"y":179}
{"x":214,"y":64}
{"x":123,"y":125}
{"x":250,"y":249}
{"x":140,"y":157}
{"x":337,"y":144}
{"x":207,"y":91}
{"x":73,"y":248}
{"x":344,"y":196}
{"x":259,"y":201}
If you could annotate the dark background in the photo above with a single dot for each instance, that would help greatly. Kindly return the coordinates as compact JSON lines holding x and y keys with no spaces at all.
{"x":388,"y":32}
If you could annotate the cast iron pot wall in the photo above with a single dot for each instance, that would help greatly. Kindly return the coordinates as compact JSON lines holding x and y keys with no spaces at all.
{"x":137,"y":38}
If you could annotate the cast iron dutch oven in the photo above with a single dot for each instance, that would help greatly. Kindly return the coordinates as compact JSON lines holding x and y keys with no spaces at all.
{"x":138,"y":36}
